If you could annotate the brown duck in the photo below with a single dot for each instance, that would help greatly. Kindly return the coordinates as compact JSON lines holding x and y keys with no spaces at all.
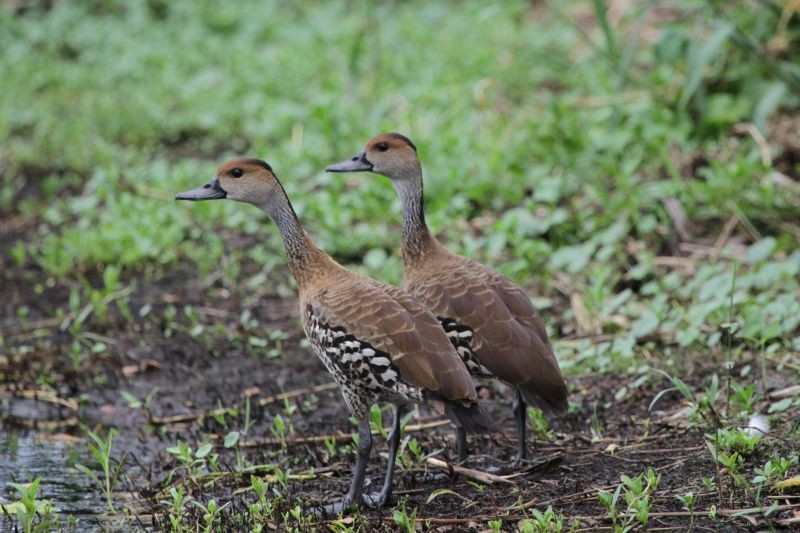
{"x":379,"y":343}
{"x":489,"y":319}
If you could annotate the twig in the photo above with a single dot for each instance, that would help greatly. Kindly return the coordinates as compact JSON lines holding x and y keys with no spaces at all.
{"x":761,"y":142}
{"x":294,"y":393}
{"x":701,"y":249}
{"x":788,"y":392}
{"x":186,"y":417}
{"x":678,"y":215}
{"x":687,"y":263}
{"x":477,"y":475}
{"x":20,"y":326}
{"x":41,"y":395}
{"x":719,"y":244}
{"x":191,"y":417}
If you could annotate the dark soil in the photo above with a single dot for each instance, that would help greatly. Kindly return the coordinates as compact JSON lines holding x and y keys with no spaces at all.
{"x":188,"y":376}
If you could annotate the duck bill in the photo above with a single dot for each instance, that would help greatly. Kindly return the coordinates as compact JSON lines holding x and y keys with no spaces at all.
{"x":209,"y":191}
{"x":357,"y":163}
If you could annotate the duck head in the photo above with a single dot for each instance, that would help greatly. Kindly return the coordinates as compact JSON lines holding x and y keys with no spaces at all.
{"x":389,"y":154}
{"x":244,"y":180}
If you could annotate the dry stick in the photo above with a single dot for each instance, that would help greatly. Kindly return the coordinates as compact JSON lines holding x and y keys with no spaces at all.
{"x":788,"y":392}
{"x":477,"y":475}
{"x":18,"y":327}
{"x":784,"y":363}
{"x":187,"y":417}
{"x":294,"y":393}
{"x":708,"y":251}
{"x":722,"y":240}
{"x":676,"y":212}
{"x":190,"y":417}
{"x":761,"y":142}
{"x":48,"y":425}
{"x":41,"y":395}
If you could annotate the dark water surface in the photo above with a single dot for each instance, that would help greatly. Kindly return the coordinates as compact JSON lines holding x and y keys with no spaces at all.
{"x":26,"y":455}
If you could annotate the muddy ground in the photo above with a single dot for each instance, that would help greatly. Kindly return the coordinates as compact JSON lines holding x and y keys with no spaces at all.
{"x":190,"y":374}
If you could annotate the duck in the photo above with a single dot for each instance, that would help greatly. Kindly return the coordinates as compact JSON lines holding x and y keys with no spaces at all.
{"x":490,"y":320}
{"x":379,"y":344}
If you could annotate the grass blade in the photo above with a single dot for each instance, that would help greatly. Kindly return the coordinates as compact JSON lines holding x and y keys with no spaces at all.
{"x":768,"y":104}
{"x":601,"y":14}
{"x":701,"y":57}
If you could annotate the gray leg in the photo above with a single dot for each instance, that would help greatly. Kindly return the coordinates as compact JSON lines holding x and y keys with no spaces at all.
{"x":354,"y":495}
{"x":381,"y":499}
{"x":520,"y":411}
{"x":461,"y":438}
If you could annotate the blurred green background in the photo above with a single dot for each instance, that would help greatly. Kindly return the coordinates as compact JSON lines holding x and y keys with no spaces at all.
{"x":571,"y":145}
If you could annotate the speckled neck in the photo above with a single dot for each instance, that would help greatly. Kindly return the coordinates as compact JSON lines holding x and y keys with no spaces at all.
{"x":307,"y":262}
{"x":417,"y":238}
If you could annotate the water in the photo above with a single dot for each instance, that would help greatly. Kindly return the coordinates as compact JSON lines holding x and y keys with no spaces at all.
{"x":26,"y":455}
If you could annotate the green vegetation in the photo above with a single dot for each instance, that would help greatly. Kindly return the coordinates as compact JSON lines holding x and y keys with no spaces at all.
{"x":33,"y":515}
{"x":636,"y":168}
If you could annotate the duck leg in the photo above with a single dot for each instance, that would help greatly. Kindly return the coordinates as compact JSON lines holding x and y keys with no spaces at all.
{"x":355,"y":494}
{"x":520,"y":410}
{"x":379,"y":500}
{"x":461,"y":441}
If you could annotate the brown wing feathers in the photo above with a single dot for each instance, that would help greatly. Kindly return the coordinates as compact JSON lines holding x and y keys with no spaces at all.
{"x":508,"y":335}
{"x":417,"y":345}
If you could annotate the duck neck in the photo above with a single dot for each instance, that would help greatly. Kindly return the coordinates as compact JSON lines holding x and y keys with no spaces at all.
{"x":305,"y":258}
{"x":417,"y":239}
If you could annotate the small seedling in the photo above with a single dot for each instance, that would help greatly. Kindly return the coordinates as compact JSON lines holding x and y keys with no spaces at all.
{"x":547,"y":521}
{"x":637,"y":493}
{"x":101,"y":450}
{"x":689,"y":501}
{"x":27,"y":508}
{"x":376,"y":420}
{"x":279,"y":430}
{"x":210,"y":513}
{"x":540,"y":425}
{"x":177,"y":507}
{"x":407,"y":522}
{"x":330,"y":445}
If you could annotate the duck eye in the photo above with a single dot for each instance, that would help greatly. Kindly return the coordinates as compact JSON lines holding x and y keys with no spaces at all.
{"x":237,"y":172}
{"x":383,"y":147}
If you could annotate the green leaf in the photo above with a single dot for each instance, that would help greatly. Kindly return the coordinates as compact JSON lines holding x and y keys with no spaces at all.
{"x":645,"y":324}
{"x":572,"y":258}
{"x":203,"y":450}
{"x":768,"y":103}
{"x":441,"y":492}
{"x":88,"y":473}
{"x":761,"y":250}
{"x":600,"y":11}
{"x":231,"y":439}
{"x":781,"y":406}
{"x":700,"y":57}
{"x":133,"y":402}
{"x":687,"y":336}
